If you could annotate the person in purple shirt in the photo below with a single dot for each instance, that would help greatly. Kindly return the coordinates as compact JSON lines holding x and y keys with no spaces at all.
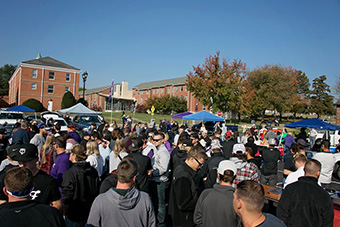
{"x":62,"y":162}
{"x":73,"y":134}
{"x":289,"y":140}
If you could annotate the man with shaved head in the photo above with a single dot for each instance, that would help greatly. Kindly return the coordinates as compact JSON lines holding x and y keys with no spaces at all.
{"x":305,"y":203}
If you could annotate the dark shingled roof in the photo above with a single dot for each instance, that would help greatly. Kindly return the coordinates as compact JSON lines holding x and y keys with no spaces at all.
{"x":48,"y":61}
{"x":94,"y":90}
{"x":161,"y":83}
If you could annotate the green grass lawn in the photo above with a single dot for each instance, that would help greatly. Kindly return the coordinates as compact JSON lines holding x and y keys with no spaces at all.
{"x":142,"y":117}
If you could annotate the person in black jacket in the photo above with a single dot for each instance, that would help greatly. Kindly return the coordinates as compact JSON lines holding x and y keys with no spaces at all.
{"x":80,"y":187}
{"x":305,"y":203}
{"x":144,"y":163}
{"x":227,"y":145}
{"x":20,"y":210}
{"x":208,"y":170}
{"x":184,"y":191}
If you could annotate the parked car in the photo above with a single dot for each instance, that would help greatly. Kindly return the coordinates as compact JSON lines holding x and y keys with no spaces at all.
{"x":83,"y":122}
{"x":11,"y":118}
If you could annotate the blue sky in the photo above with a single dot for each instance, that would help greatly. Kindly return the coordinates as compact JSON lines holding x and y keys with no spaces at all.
{"x":147,"y":40}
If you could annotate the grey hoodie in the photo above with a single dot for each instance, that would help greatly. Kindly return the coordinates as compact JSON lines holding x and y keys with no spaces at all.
{"x":112,"y":209}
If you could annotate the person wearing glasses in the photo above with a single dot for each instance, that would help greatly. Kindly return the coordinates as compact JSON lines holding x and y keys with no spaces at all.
{"x":184,"y":191}
{"x":159,"y":177}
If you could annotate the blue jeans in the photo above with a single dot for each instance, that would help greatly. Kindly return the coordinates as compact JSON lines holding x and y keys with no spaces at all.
{"x":158,"y":192}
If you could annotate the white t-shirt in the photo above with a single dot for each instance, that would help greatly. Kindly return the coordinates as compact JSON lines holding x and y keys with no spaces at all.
{"x":114,"y":161}
{"x":294,"y":176}
{"x":96,"y":163}
{"x":327,"y":161}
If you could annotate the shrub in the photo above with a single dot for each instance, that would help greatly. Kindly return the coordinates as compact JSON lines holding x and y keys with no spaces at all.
{"x":68,"y":100}
{"x":34,"y":104}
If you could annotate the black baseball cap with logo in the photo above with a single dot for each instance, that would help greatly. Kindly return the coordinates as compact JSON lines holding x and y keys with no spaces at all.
{"x":136,"y":144}
{"x":23,"y":152}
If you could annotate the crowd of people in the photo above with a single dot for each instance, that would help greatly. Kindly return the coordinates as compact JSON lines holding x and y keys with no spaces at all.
{"x":169,"y":175}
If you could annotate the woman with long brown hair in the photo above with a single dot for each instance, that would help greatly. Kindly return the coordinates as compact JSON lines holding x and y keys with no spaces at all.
{"x":48,"y":154}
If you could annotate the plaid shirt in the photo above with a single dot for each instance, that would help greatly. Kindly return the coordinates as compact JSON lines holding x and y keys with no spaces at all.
{"x":249,"y":171}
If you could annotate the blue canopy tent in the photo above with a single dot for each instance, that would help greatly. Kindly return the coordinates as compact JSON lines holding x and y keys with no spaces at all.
{"x":203,"y":116}
{"x":313,"y":123}
{"x":21,"y":108}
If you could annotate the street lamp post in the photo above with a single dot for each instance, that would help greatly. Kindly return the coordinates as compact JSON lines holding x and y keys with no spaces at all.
{"x":84,"y":75}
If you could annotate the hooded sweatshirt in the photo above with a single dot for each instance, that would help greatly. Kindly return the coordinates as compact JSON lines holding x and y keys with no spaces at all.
{"x":29,"y":213}
{"x":113,"y":209}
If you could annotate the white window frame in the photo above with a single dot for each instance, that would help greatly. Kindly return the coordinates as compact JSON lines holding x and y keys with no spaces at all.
{"x":34,"y":86}
{"x":49,"y":74}
{"x":50,"y":87}
{"x":68,"y":77}
{"x":34,"y":73}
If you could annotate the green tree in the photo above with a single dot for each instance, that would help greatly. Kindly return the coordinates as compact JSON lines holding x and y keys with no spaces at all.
{"x":34,"y":104}
{"x":6,"y":72}
{"x":167,"y":104}
{"x":274,"y":87}
{"x":321,"y":100}
{"x":217,"y":83}
{"x":83,"y":101}
{"x":68,"y":100}
{"x":303,"y":92}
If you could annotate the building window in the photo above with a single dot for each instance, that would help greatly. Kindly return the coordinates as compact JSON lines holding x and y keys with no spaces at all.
{"x":168,"y":90}
{"x":137,"y":92}
{"x":147,"y":92}
{"x":146,"y":99}
{"x":161,"y":90}
{"x":141,"y":100}
{"x":157,"y":91}
{"x":153,"y":91}
{"x":34,"y":73}
{"x":67,"y":89}
{"x":181,"y":88}
{"x":141,"y":92}
{"x":68,"y":78}
{"x":34,"y":86}
{"x":51,"y":75}
{"x":186,"y":97}
{"x":181,"y":97}
{"x":50,"y":89}
{"x":185,"y":88}
{"x":176,"y":89}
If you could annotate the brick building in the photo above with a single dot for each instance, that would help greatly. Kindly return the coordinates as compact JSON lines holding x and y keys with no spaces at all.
{"x":44,"y":79}
{"x":122,"y":99}
{"x":173,"y":87}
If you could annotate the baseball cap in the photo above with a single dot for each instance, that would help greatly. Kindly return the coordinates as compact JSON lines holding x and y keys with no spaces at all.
{"x":215,"y":144}
{"x":272,"y":141}
{"x":302,"y":142}
{"x":226,"y":165}
{"x":23,"y":152}
{"x":239,"y":148}
{"x":136,"y":144}
{"x":43,"y":126}
{"x":186,"y":143}
{"x":228,"y":134}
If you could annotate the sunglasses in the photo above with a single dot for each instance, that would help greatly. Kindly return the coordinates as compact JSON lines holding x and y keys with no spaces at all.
{"x":199,"y":164}
{"x":156,"y":140}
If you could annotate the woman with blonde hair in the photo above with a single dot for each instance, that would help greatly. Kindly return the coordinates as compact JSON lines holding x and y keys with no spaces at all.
{"x":94,"y":157}
{"x":47,"y":154}
{"x":117,"y":154}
